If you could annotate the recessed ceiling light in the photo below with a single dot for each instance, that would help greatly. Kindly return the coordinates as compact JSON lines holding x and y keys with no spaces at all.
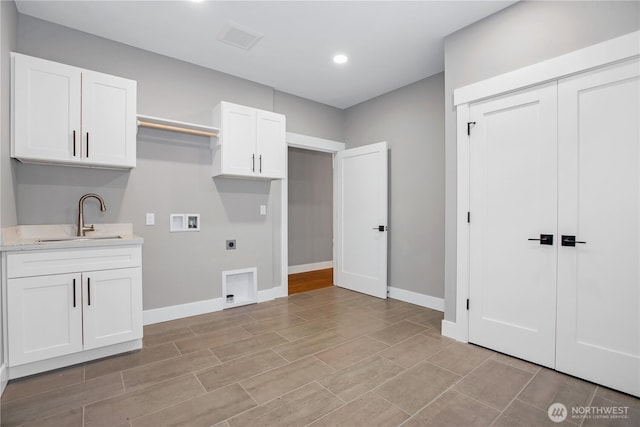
{"x":340,"y":59}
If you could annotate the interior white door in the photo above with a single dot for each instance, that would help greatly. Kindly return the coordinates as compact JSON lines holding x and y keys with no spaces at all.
{"x":360,"y":219}
{"x":599,"y":197}
{"x":513,"y":199}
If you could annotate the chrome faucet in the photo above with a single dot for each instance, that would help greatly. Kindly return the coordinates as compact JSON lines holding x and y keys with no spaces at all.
{"x":81,"y":227}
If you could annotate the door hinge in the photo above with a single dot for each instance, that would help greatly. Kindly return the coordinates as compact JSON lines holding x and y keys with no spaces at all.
{"x":469,"y":217}
{"x":467,"y":303}
{"x":469,"y":124}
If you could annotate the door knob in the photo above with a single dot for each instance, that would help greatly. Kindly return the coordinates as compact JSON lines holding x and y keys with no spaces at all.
{"x":568,"y":240}
{"x":545,"y":239}
{"x":380,"y":228}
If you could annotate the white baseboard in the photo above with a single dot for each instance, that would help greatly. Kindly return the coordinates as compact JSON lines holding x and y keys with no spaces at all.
{"x":267,"y":294}
{"x":4,"y":378}
{"x":303,"y":268}
{"x":450,"y":330}
{"x":416,"y":298}
{"x":180,"y":311}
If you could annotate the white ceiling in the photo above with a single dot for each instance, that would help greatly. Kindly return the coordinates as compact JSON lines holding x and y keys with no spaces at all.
{"x":389,"y":43}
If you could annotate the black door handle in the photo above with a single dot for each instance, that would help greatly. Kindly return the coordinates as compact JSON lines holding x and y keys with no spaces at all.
{"x":545,"y":239}
{"x":379,"y":228}
{"x":568,"y":240}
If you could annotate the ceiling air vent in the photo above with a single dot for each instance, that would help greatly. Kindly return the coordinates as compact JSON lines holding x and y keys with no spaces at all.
{"x":239,"y":36}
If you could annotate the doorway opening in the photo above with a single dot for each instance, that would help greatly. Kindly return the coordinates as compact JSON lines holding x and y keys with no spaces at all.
{"x":310,"y":220}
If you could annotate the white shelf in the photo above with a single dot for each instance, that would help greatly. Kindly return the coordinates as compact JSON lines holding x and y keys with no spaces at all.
{"x":177,"y":126}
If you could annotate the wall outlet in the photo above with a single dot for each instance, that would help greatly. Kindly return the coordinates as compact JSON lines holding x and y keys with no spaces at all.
{"x":231,"y":245}
{"x":150,"y":219}
{"x":263,"y":209}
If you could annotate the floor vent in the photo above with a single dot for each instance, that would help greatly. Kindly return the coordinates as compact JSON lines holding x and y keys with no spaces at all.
{"x":239,"y":36}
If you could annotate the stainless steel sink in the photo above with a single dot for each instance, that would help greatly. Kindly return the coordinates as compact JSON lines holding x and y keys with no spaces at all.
{"x":76,"y":238}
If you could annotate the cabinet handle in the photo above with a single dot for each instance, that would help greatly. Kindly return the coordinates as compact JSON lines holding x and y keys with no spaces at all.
{"x":74,"y":293}
{"x":74,"y":147}
{"x":260,"y":163}
{"x":87,"y":145}
{"x":253,"y":163}
{"x":88,"y":290}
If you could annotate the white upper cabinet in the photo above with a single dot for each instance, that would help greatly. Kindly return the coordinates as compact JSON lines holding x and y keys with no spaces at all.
{"x":251,"y":143}
{"x":67,"y":115}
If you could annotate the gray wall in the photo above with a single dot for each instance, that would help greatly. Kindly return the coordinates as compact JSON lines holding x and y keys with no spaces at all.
{"x":523,"y":34}
{"x":411,"y":120}
{"x":309,"y":183}
{"x":172,"y":173}
{"x":310,"y":206}
{"x":8,"y":216}
{"x":310,"y":118}
{"x":8,"y":39}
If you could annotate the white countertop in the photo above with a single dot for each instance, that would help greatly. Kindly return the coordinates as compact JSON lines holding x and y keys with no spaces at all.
{"x":30,"y":237}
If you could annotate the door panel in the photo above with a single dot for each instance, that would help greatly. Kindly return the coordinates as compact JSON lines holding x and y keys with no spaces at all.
{"x":361,"y":205}
{"x":44,"y":320}
{"x":112,"y":306}
{"x":270,"y":134}
{"x":239,"y":128}
{"x":599,"y":193}
{"x":513,"y":175}
{"x":47,"y":110}
{"x":108,"y":120}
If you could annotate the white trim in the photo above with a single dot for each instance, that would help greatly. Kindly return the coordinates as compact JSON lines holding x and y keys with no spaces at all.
{"x":450,"y":330}
{"x":4,"y":378}
{"x":309,"y":143}
{"x":72,"y":359}
{"x":416,"y":298}
{"x":303,"y":268}
{"x":601,"y":54}
{"x":179,"y":311}
{"x":597,"y":55}
{"x":267,"y":295}
{"x":173,"y":312}
{"x":462,"y":226}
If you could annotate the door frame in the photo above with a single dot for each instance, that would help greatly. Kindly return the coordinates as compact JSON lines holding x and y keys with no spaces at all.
{"x":296,"y":140}
{"x":592,"y":57}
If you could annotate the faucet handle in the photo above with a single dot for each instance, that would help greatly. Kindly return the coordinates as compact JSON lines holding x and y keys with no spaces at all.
{"x":89,"y":228}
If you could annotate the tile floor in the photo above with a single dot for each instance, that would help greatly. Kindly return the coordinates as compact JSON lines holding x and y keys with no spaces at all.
{"x":322,"y":358}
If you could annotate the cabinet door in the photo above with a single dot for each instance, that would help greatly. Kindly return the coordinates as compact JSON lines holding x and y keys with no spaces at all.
{"x":599,"y":200}
{"x":238,"y":140}
{"x":112,"y":302}
{"x":271,"y":144}
{"x":108,"y":120}
{"x":44,"y":317}
{"x":46,"y":110}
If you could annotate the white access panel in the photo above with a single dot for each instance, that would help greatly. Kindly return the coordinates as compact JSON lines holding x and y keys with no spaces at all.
{"x":513,"y":198}
{"x":599,"y":192}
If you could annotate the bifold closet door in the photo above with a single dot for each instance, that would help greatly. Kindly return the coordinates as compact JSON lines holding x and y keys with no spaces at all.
{"x":598,"y":320}
{"x":513,"y":187}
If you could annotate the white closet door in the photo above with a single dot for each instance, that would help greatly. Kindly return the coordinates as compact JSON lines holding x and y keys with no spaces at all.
{"x":599,"y":197}
{"x":513,"y":177}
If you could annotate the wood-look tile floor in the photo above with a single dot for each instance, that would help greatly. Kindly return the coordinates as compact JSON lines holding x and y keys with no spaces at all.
{"x":323,"y":358}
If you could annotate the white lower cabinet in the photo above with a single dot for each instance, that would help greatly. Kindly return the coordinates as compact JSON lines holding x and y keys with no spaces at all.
{"x":53,"y":315}
{"x":43,"y":322}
